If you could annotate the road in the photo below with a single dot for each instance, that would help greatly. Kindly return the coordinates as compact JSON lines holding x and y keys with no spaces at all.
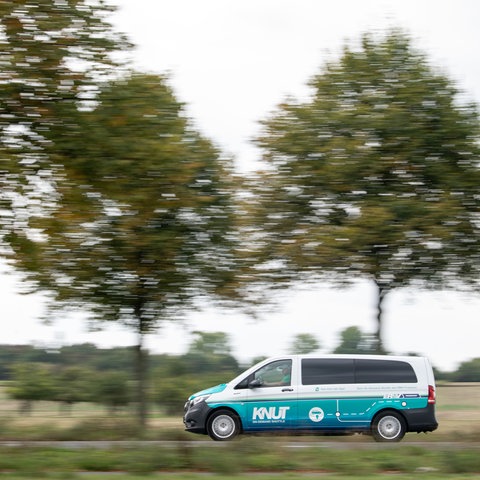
{"x":348,"y":445}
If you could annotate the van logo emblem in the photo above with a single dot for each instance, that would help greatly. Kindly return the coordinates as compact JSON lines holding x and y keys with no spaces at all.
{"x":316,"y":414}
{"x":262,"y":413}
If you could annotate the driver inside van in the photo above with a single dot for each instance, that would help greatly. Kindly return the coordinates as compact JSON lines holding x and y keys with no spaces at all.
{"x":285,"y":378}
{"x":286,"y":372}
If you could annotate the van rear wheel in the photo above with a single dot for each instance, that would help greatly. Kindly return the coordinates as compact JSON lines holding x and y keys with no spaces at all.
{"x":223,"y":425}
{"x":388,"y":427}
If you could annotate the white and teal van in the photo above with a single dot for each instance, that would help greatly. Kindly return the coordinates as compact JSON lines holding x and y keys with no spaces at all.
{"x":385,"y":396}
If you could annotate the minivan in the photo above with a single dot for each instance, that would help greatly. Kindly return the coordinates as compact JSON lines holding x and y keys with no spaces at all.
{"x":384,"y":396}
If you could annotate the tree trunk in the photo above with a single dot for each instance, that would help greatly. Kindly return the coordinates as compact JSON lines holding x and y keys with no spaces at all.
{"x":381,"y":294}
{"x":26,"y":407}
{"x":141,"y":368}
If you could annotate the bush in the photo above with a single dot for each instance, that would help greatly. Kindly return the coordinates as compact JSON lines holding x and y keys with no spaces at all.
{"x":461,"y":461}
{"x":468,"y":371}
{"x":101,"y":429}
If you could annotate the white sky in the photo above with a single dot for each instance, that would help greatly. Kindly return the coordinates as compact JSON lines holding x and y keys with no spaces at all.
{"x":232,"y":61}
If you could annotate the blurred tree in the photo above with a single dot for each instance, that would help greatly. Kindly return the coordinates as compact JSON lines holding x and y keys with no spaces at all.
{"x":170,"y":392}
{"x":138,"y":229}
{"x":53,"y":54}
{"x":255,"y":360}
{"x":467,"y":371}
{"x":353,"y":340}
{"x":209,"y":352}
{"x":304,"y":343}
{"x":375,"y":176}
{"x":112,"y":389}
{"x":31,"y":382}
{"x":87,"y":355}
{"x":207,"y":362}
{"x":208,"y":343}
{"x":73,"y":384}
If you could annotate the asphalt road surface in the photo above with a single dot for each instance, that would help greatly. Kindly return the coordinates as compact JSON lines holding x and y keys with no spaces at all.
{"x":104,"y":445}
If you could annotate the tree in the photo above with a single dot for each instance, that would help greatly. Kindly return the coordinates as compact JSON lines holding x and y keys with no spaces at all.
{"x":53,"y":56}
{"x":207,"y":362}
{"x":31,"y":382}
{"x":353,"y":340}
{"x":209,"y":352}
{"x":208,"y":343}
{"x":304,"y":343}
{"x":112,"y":389}
{"x":468,"y":371}
{"x":73,"y":385}
{"x":139,"y":227}
{"x":375,"y":176}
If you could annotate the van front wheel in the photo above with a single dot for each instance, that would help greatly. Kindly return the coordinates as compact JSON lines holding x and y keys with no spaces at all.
{"x":223,"y":425}
{"x":388,"y":427}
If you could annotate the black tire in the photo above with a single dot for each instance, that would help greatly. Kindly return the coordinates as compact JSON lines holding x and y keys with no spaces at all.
{"x":388,"y":426}
{"x":223,"y":425}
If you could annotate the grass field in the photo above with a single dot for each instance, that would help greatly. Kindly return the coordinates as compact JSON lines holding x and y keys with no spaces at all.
{"x":252,"y":457}
{"x":457,"y":410}
{"x":266,"y":457}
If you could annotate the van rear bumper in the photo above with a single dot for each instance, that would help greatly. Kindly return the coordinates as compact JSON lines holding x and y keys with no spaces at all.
{"x":421,"y":419}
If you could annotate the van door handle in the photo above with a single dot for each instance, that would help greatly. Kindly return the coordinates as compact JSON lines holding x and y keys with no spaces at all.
{"x":287,"y":389}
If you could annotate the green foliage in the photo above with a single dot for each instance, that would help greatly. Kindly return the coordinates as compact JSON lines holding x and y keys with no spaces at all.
{"x":209,"y":352}
{"x":239,"y":459}
{"x":53,"y":56}
{"x":467,"y":371}
{"x":87,"y":355}
{"x":461,"y":462}
{"x":376,"y":175}
{"x":207,"y":363}
{"x":69,"y":385}
{"x":73,"y":385}
{"x":171,"y":393}
{"x":304,"y":343}
{"x":32,"y":382}
{"x":353,"y":340}
{"x":118,"y":205}
{"x":112,"y":389}
{"x":210,"y":343}
{"x":138,"y":230}
{"x":111,"y":428}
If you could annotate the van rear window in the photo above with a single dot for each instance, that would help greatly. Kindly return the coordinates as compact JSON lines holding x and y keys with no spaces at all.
{"x":384,"y":371}
{"x":327,"y":371}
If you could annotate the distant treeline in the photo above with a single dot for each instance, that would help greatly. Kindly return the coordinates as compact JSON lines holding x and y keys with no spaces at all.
{"x":89,"y":356}
{"x":86,"y":373}
{"x":195,"y":361}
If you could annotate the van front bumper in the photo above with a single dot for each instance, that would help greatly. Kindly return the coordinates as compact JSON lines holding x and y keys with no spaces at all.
{"x":195,"y":418}
{"x":421,"y":419}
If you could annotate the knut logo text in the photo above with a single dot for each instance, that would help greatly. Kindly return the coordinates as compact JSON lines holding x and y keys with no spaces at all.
{"x":269,"y":414}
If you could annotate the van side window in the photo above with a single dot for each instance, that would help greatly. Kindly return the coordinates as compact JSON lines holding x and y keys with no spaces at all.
{"x":384,"y":371}
{"x":273,"y":374}
{"x":327,"y":371}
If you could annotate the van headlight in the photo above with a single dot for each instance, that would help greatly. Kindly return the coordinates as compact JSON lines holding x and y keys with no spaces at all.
{"x":201,"y":398}
{"x":195,"y":401}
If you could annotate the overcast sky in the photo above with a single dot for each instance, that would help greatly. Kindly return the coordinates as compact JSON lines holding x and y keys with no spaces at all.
{"x":231,"y":62}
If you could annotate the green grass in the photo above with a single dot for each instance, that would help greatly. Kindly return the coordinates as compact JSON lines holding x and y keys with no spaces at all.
{"x":246,"y":457}
{"x":447,"y":408}
{"x":269,"y":456}
{"x":457,"y":413}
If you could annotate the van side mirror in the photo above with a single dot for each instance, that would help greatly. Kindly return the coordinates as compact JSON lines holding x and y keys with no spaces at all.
{"x":255,"y":383}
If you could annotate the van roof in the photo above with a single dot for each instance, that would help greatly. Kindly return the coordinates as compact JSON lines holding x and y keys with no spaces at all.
{"x":347,"y":355}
